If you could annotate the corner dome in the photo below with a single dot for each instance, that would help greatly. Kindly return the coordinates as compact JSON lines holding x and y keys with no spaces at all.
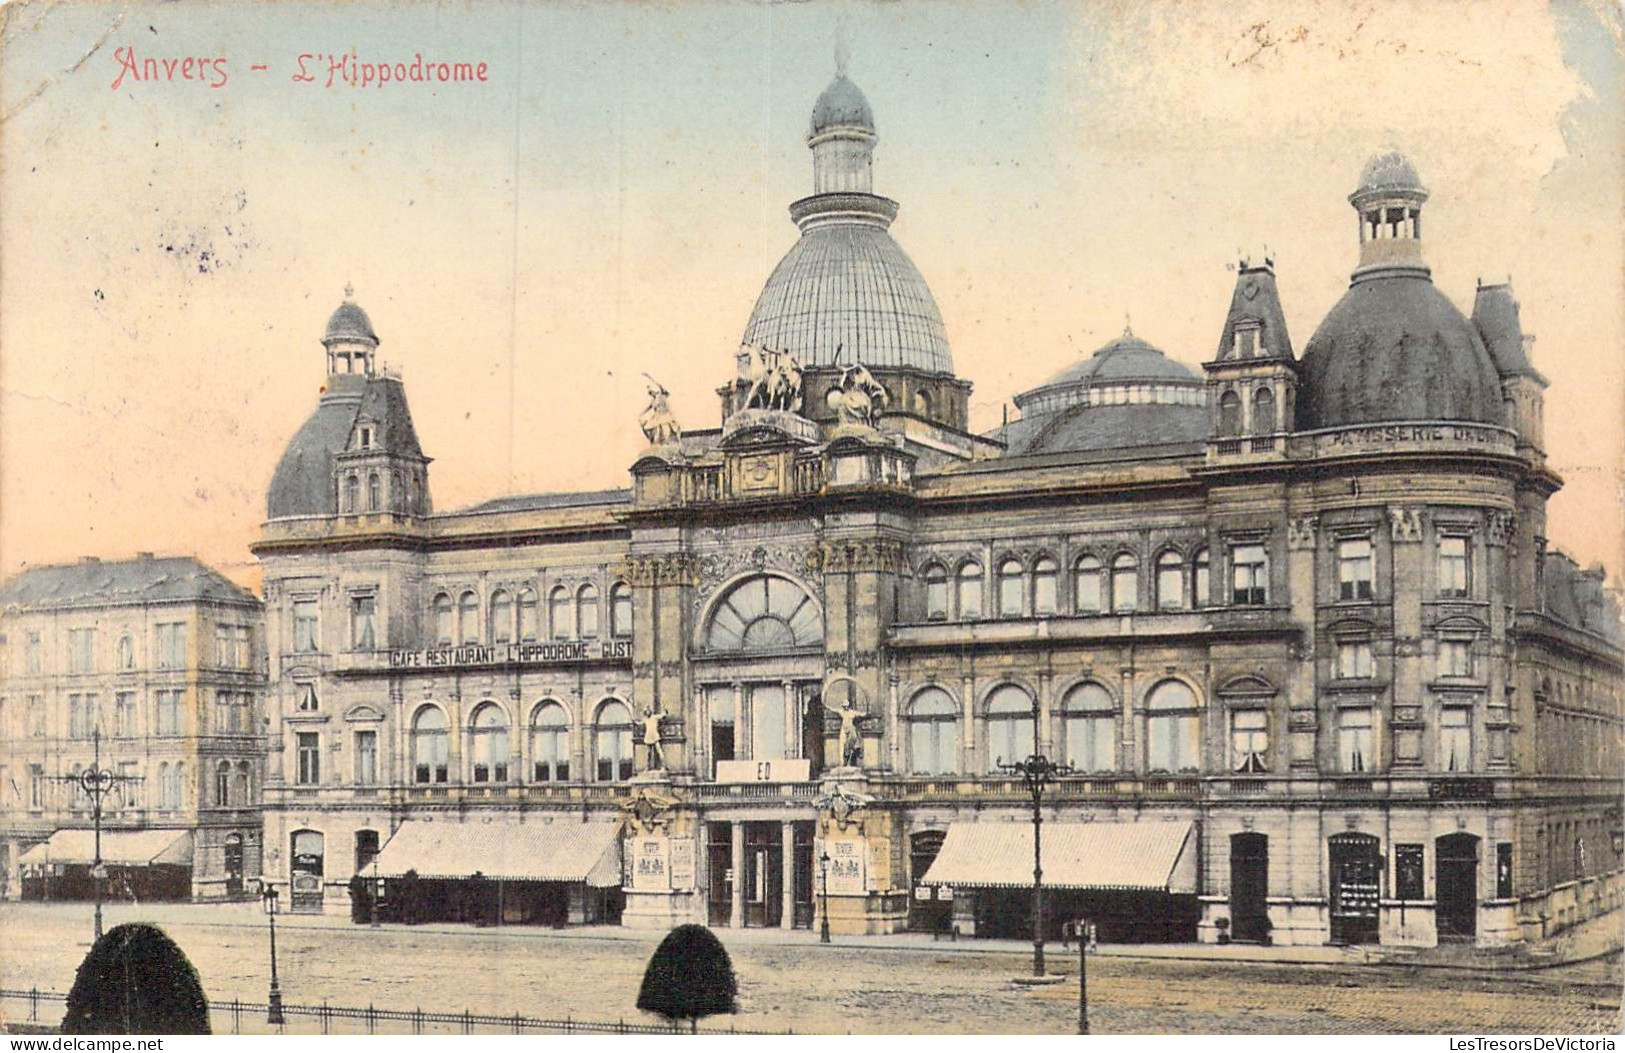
{"x":1128,"y":358}
{"x":349,"y":324}
{"x":1396,"y":349}
{"x":842,"y":105}
{"x":850,"y":287}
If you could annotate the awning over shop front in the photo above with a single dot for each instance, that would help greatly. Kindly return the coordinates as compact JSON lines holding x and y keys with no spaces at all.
{"x":1144,"y":856}
{"x":120,"y":848}
{"x":544,"y":851}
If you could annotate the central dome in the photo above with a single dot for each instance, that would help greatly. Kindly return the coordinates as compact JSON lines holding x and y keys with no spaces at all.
{"x":850,"y":288}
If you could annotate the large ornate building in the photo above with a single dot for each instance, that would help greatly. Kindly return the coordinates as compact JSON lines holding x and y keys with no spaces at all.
{"x":151,"y":670}
{"x":1291,"y":621}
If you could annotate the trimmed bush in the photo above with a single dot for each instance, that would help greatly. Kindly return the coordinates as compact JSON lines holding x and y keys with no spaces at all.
{"x":136,"y":981}
{"x":689,"y":977}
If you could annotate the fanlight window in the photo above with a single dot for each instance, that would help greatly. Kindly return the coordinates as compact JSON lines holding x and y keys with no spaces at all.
{"x":764,"y":613}
{"x":489,"y":739}
{"x":933,"y":732}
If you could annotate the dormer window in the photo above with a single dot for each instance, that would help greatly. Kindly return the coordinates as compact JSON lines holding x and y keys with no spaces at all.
{"x":1246,"y":343}
{"x":366,"y":438}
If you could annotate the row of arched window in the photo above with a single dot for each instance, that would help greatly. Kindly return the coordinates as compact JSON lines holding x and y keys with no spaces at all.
{"x":1088,"y":720}
{"x":514,"y":617}
{"x":1097,"y":587}
{"x":405,"y":492}
{"x":1263,"y":415}
{"x":488,"y":756}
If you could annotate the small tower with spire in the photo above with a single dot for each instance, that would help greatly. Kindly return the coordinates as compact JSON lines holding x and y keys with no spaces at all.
{"x":1253,"y":380}
{"x":352,"y":346}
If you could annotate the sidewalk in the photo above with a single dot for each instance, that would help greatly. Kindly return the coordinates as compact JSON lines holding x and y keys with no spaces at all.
{"x":1593,"y":939}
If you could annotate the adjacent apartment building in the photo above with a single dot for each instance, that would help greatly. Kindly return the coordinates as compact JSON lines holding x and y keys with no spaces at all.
{"x":153,"y":668}
{"x":1291,"y":620}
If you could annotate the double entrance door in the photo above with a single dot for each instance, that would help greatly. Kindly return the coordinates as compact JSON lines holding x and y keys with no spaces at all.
{"x":755,"y":882}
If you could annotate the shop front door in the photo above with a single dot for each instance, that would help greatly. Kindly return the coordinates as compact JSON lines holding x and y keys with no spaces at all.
{"x":1456,"y":880}
{"x":1249,"y":887}
{"x":1356,"y":887}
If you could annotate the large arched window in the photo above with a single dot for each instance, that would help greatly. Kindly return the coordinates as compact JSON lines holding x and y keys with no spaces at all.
{"x":764,"y":613}
{"x":222,"y":784}
{"x":933,"y":733}
{"x":970,"y":591}
{"x":936,"y":593}
{"x":488,"y":743}
{"x":375,"y":492}
{"x":1086,"y":585}
{"x":1173,"y":728}
{"x":1089,"y":728}
{"x":501,"y":617}
{"x":1009,"y":727}
{"x":587,"y":612}
{"x":1170,"y":581}
{"x":442,"y":619}
{"x":431,"y":746}
{"x":352,"y":493}
{"x":525,"y":628}
{"x":620,"y":610}
{"x":1012,"y":585}
{"x":1201,"y":589}
{"x":1125,"y":583}
{"x":468,"y":618}
{"x":1263,"y":412}
{"x":550,"y":743}
{"x":612,"y":742}
{"x":240,"y":786}
{"x":558,"y":612}
{"x":1044,"y":592}
{"x":1229,"y":414}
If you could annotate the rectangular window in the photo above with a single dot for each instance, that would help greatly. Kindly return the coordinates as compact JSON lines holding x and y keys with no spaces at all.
{"x":36,"y":717}
{"x":172,"y":645}
{"x":76,"y":717}
{"x":1354,"y":740}
{"x":310,"y":758}
{"x":363,"y":634}
{"x":36,"y":786}
{"x":124,"y":714}
{"x":1454,"y":565}
{"x":1408,"y":872}
{"x":1249,"y":576}
{"x":366,"y":758}
{"x":1456,"y":738}
{"x":81,"y":650}
{"x":1354,"y":660}
{"x":168,"y":704}
{"x":1455,"y":658}
{"x":936,"y":595}
{"x":305,"y":634}
{"x":1249,"y":741}
{"x":32,"y":661}
{"x":1354,"y":569}
{"x":231,"y":646}
{"x":1086,"y":588}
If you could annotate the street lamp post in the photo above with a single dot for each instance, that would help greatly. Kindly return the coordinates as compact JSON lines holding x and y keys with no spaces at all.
{"x":1084,"y":929}
{"x":97,"y":782}
{"x":823,"y":877}
{"x":273,"y":1014}
{"x":1037,"y":772}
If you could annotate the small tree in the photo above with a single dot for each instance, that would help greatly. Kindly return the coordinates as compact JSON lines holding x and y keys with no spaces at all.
{"x":689,"y":977}
{"x":136,"y":981}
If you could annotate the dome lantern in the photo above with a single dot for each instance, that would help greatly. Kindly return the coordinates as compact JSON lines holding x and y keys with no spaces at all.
{"x":1389,"y":203}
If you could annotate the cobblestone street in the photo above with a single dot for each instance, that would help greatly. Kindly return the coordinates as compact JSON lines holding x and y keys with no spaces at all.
{"x":793,"y":983}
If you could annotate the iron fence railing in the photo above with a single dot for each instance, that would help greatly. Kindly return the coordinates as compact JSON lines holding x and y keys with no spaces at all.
{"x":236,"y":1012}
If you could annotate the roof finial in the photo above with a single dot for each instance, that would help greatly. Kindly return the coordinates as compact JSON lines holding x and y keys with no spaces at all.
{"x":349,"y":293}
{"x":843,"y":50}
{"x":1128,"y":326}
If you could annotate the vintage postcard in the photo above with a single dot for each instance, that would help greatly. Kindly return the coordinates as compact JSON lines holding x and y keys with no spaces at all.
{"x":834,"y":517}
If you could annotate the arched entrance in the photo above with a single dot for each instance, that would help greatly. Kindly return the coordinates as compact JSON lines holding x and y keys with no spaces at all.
{"x":1456,"y":886}
{"x":234,"y":864}
{"x":1356,"y":887}
{"x":1249,"y":887}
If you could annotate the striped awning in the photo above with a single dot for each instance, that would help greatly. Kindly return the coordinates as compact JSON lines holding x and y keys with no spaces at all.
{"x":120,"y":848}
{"x":507,"y":851}
{"x":1143,"y":856}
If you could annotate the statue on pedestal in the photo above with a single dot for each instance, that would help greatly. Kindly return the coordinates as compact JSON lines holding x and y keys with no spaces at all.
{"x":650,"y":724}
{"x":858,"y":398}
{"x":770,"y":379}
{"x":659,"y":424}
